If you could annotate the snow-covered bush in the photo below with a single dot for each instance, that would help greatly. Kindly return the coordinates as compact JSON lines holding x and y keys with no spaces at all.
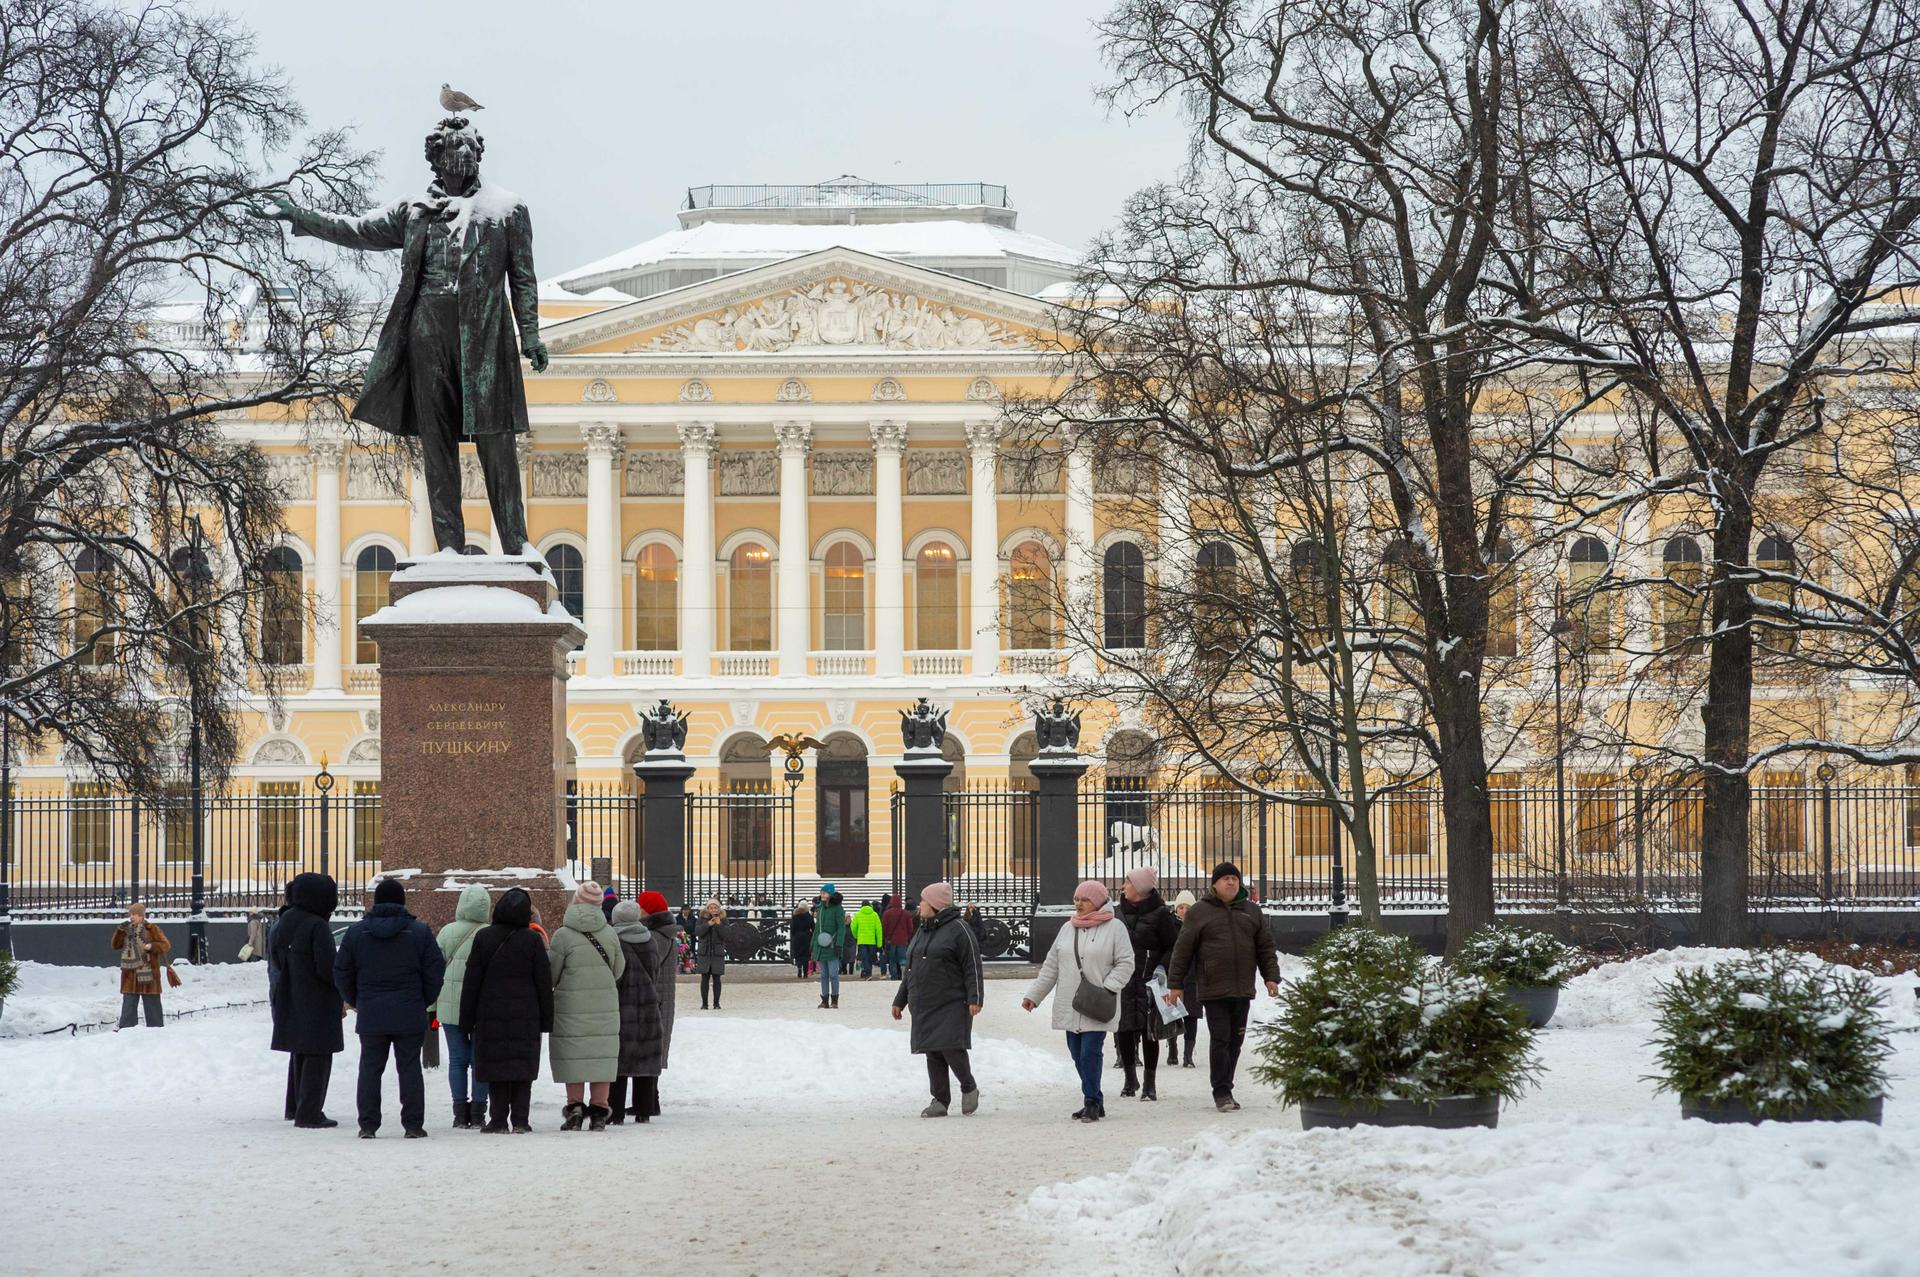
{"x":1781,"y":1032}
{"x":1519,"y":956}
{"x":1373,"y":1019}
{"x":9,"y":974}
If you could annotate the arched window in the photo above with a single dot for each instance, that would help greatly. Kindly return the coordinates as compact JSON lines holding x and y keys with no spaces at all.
{"x":843,"y":621}
{"x":1216,"y":583}
{"x":92,"y":602}
{"x":1030,"y":596}
{"x":1775,"y":554}
{"x":656,"y":604}
{"x":1307,"y":594}
{"x":936,"y":598}
{"x":569,"y":579}
{"x":1123,"y":596}
{"x":282,"y":629}
{"x":750,"y":599}
{"x":372,"y":572}
{"x":1589,"y":608}
{"x":1683,"y":599}
{"x":1503,"y":602}
{"x":189,"y":635}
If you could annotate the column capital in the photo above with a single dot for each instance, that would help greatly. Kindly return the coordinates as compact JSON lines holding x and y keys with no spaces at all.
{"x":794,"y":437}
{"x":889,"y":437}
{"x":602,"y":438}
{"x":328,"y":451}
{"x":981,"y":436}
{"x":696,"y":437}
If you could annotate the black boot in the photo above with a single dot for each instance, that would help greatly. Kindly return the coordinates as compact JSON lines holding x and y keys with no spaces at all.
{"x":598,"y":1115}
{"x":573,"y":1116}
{"x":836,"y":1002}
{"x":1146,"y":1088}
{"x":1173,"y":1053}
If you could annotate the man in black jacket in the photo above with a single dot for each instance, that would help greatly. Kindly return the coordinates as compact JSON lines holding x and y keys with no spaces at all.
{"x":389,"y":971}
{"x":1227,"y":934}
{"x":306,"y":1006}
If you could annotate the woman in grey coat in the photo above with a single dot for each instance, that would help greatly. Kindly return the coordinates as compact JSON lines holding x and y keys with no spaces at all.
{"x":944,"y":987}
{"x":710,"y":951}
{"x":639,"y":1009}
{"x":584,"y":1049}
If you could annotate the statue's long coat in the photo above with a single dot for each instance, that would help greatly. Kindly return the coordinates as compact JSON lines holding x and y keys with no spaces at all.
{"x":497,"y":245}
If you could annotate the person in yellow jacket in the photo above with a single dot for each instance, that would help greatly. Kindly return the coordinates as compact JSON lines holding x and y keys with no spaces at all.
{"x":869,"y":934}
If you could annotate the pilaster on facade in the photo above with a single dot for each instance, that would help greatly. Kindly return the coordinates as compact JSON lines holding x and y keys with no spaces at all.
{"x":790,"y":602}
{"x":889,"y":549}
{"x":329,"y":457}
{"x":984,"y":578}
{"x":1079,"y":543}
{"x":600,"y":591}
{"x":696,"y":575}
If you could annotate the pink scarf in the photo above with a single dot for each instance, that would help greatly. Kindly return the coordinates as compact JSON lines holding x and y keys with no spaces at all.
{"x":1096,"y":892}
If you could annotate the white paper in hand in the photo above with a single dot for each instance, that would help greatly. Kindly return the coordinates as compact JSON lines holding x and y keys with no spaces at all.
{"x":1157,"y":987}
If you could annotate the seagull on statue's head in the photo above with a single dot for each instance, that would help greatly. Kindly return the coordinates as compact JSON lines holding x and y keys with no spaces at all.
{"x":452,"y":99}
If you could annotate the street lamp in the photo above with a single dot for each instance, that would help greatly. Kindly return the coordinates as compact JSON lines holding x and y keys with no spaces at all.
{"x":198,"y":577}
{"x":1562,"y":627}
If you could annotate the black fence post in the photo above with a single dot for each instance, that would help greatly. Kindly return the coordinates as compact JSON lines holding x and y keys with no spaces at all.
{"x":133,"y":887}
{"x":324,"y":783}
{"x":1337,"y":907}
{"x":1639,"y":834}
{"x":6,"y":828}
{"x":197,"y":919}
{"x":1826,"y":832}
{"x":664,"y":771}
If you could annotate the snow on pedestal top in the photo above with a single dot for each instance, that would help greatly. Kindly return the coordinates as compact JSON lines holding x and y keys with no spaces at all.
{"x":468,"y":605}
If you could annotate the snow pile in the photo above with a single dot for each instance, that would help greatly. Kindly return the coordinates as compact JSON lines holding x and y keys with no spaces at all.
{"x":50,"y":997}
{"x":1624,"y":993}
{"x":1561,"y":1197}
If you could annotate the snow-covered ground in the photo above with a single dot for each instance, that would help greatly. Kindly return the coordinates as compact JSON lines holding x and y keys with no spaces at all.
{"x":791,"y":1144}
{"x":53,"y":997}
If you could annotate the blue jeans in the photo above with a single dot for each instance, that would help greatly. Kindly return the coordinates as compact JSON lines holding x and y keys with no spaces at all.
{"x":459,"y":1061}
{"x":829,"y":976}
{"x":896,"y":960}
{"x":1087,"y":1050}
{"x":867,"y":952}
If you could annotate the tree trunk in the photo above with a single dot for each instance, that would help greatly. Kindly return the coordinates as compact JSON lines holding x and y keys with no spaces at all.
{"x":1469,"y":819}
{"x":1727,"y":719}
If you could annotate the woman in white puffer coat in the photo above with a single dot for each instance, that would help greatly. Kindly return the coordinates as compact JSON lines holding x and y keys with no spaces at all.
{"x":1094,"y":950}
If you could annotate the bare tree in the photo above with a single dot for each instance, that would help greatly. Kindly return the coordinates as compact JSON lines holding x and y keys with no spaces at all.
{"x":1727,"y":223}
{"x":139,"y":303}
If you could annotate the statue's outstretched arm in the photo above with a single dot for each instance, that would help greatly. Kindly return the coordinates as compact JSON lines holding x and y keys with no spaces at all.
{"x":379,"y":231}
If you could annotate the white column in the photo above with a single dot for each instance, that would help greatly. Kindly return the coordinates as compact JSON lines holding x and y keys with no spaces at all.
{"x":984,"y":552}
{"x":600,"y":592}
{"x":420,"y":542}
{"x":329,"y":633}
{"x":1079,"y":554}
{"x":696,"y":536}
{"x":791,"y":596}
{"x":889,"y":550}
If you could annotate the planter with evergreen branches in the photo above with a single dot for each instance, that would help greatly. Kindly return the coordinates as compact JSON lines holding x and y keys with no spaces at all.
{"x":1532,"y":965}
{"x":1377,"y":1034}
{"x":1774,"y":1036}
{"x":9,"y":977}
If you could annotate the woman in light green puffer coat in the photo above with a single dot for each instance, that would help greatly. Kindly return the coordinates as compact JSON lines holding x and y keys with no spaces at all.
{"x":474,"y":910}
{"x":584,"y":1048}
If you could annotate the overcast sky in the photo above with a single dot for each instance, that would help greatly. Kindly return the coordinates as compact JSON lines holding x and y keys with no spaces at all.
{"x":600,"y":114}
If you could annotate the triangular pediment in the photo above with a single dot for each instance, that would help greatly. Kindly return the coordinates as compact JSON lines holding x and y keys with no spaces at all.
{"x":837,"y":300}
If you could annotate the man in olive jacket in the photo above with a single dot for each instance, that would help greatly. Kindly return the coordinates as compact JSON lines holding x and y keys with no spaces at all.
{"x":447,"y":365}
{"x":1229,"y":935}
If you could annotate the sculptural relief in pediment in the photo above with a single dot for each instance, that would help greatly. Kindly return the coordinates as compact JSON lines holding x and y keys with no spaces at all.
{"x":838,"y":313}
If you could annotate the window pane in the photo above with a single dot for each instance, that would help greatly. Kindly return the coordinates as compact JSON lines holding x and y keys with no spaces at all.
{"x":844,"y":599}
{"x":277,"y":820}
{"x":1124,"y":596}
{"x":282,"y":640}
{"x":936,"y":598}
{"x":656,"y":605}
{"x":176,"y":828}
{"x":1503,"y":611}
{"x":92,"y":600}
{"x":750,"y":600}
{"x":371,"y":573}
{"x":366,"y":820}
{"x":90,"y":826}
{"x":570,"y":580}
{"x":1030,"y":596}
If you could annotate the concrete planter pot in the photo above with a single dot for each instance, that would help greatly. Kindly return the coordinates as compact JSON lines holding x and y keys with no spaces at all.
{"x":1538,"y":1001}
{"x":1736,"y":1111}
{"x":1451,"y":1113}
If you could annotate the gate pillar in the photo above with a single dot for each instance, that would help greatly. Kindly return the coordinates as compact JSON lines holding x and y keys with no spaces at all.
{"x":663,"y":806}
{"x":1056,"y":771}
{"x":922,"y":772}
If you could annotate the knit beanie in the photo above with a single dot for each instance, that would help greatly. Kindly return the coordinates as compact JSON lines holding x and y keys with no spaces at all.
{"x":1094,"y":890}
{"x":1144,"y":879}
{"x":624,"y":912}
{"x":1224,"y":868}
{"x":388,"y":891}
{"x":1184,"y":898}
{"x":588,"y":893}
{"x":829,"y":888}
{"x":610,"y":892}
{"x":652,"y":902}
{"x":938,"y":894}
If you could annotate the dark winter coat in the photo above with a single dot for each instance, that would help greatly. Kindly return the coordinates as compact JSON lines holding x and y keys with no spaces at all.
{"x":389,"y":971}
{"x":1232,"y":945}
{"x":639,"y":1000}
{"x":944,"y":977}
{"x":507,"y":1001}
{"x":709,"y":947}
{"x":800,"y":936}
{"x":306,"y":1005}
{"x":666,"y":938}
{"x":1154,"y":931}
{"x":497,"y":247}
{"x":897,"y":925}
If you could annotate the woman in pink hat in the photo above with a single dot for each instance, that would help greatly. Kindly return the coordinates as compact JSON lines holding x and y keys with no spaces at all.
{"x":1088,"y":964}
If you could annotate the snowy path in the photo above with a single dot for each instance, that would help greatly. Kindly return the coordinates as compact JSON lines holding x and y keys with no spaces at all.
{"x":791,"y":1145}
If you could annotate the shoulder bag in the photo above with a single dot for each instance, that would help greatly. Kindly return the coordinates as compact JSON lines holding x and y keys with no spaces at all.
{"x":1096,"y":1002}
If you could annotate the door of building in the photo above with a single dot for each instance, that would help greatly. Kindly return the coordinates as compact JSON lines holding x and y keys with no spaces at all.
{"x":842,"y":821}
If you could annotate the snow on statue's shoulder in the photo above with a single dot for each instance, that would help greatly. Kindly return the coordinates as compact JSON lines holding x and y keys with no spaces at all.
{"x":465,"y":605}
{"x":488,"y":203}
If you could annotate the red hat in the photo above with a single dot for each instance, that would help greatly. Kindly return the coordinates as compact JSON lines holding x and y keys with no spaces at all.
{"x":652,"y":902}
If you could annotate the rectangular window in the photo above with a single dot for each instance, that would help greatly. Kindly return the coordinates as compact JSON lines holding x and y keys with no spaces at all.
{"x":1503,"y":621}
{"x":1912,"y":797}
{"x":90,"y":826}
{"x":1507,"y":799}
{"x":1597,"y":826}
{"x":1684,"y":805}
{"x":366,"y":821}
{"x":176,"y":825}
{"x":277,"y":821}
{"x":1783,"y":813}
{"x":1409,"y":821}
{"x":1312,"y":821}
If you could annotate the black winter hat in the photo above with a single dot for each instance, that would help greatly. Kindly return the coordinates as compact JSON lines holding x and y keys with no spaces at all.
{"x":389,"y":892}
{"x":1224,"y":868}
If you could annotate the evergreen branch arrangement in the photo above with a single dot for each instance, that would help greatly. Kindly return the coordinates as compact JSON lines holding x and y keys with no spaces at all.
{"x":1518,"y":956}
{"x":1782,"y":1032}
{"x":1374,"y":1020}
{"x":9,"y":974}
